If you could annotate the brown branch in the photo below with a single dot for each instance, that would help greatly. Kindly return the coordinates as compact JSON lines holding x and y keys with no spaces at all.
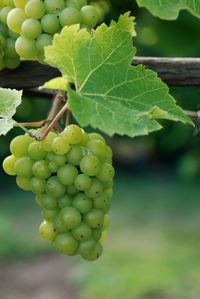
{"x":173,"y":71}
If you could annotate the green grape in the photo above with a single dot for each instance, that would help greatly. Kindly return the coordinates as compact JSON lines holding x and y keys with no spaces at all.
{"x":90,"y":165}
{"x":59,"y":160}
{"x":65,"y":201}
{"x":109,"y":155}
{"x":103,"y":237}
{"x":85,"y":139}
{"x":89,"y":16}
{"x":82,"y":233}
{"x":109,"y":192}
{"x":49,"y":202}
{"x":43,"y":41}
{"x":11,"y":63}
{"x":60,"y":146}
{"x":54,"y":6}
{"x":37,"y":185}
{"x":59,"y":227}
{"x":73,"y":134}
{"x":50,"y":156}
{"x":102,"y":202}
{"x":4,"y":14}
{"x":41,"y":169}
{"x":20,"y":3}
{"x":46,"y":231}
{"x":23,"y":167}
{"x":83,"y":182}
{"x":72,"y":190}
{"x":53,"y":167}
{"x":9,"y":165}
{"x":15,"y":19}
{"x":69,"y":16}
{"x":82,"y":203}
{"x":96,"y":136}
{"x":96,"y":188}
{"x":74,"y":155}
{"x":50,"y":215}
{"x":35,"y":9}
{"x":97,"y":148}
{"x":10,"y":48}
{"x":26,"y":48}
{"x":70,"y":217}
{"x":86,"y":247}
{"x":94,"y":254}
{"x":106,"y":173}
{"x":54,"y":187}
{"x":96,"y":233}
{"x":50,"y":23}
{"x":19,"y":145}
{"x":8,"y":3}
{"x":23,"y":183}
{"x":94,"y":218}
{"x":106,"y":222}
{"x":76,"y":3}
{"x":67,"y":174}
{"x":46,"y":144}
{"x":31,"y":28}
{"x":66,"y":244}
{"x":35,"y":152}
{"x":38,"y":199}
{"x":108,"y":184}
{"x":3,"y":28}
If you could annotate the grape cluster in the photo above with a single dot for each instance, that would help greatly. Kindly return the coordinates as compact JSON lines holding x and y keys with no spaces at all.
{"x":71,"y":174}
{"x":8,"y":55}
{"x":36,"y":21}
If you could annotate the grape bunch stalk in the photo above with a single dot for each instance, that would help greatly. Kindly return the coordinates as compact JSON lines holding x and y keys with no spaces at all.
{"x":34,"y":22}
{"x":71,"y":174}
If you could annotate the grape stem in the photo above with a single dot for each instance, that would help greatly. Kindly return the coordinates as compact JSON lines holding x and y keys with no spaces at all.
{"x":52,"y":124}
{"x":68,"y":114}
{"x":31,"y":124}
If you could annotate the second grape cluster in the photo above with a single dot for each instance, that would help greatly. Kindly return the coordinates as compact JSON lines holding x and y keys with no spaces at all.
{"x":72,"y":177}
{"x":34,"y":22}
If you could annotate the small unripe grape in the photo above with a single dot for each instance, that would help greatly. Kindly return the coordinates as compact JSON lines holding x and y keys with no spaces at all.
{"x":19,"y":145}
{"x":66,"y":244}
{"x":59,"y":227}
{"x":67,"y":174}
{"x":46,"y":231}
{"x":74,"y":155}
{"x":23,"y":183}
{"x":83,"y":182}
{"x":106,"y":173}
{"x":46,"y":144}
{"x":90,"y":165}
{"x":65,"y":201}
{"x":69,"y":16}
{"x":35,"y":9}
{"x":60,"y":146}
{"x":73,"y":134}
{"x":70,"y":217}
{"x":82,"y":203}
{"x":48,"y":202}
{"x":35,"y":152}
{"x":26,"y":48}
{"x":82,"y":233}
{"x":31,"y":28}
{"x":23,"y":167}
{"x":89,"y":16}
{"x":41,"y":169}
{"x":96,"y":189}
{"x":8,"y":165}
{"x":37,"y":185}
{"x":50,"y":215}
{"x":54,"y":187}
{"x":50,"y":23}
{"x":97,"y":148}
{"x":54,"y":7}
{"x":4,"y":14}
{"x":94,"y":218}
{"x":15,"y":19}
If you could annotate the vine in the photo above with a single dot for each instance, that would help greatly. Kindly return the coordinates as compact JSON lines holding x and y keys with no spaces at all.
{"x":69,"y":170}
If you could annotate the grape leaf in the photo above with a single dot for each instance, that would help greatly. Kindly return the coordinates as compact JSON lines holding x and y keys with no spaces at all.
{"x":59,"y":83}
{"x":168,"y":9}
{"x":6,"y":124}
{"x":110,"y":94}
{"x":10,"y":99}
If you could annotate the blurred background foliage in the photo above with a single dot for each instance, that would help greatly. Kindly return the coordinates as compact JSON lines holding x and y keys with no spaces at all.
{"x":153,"y":247}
